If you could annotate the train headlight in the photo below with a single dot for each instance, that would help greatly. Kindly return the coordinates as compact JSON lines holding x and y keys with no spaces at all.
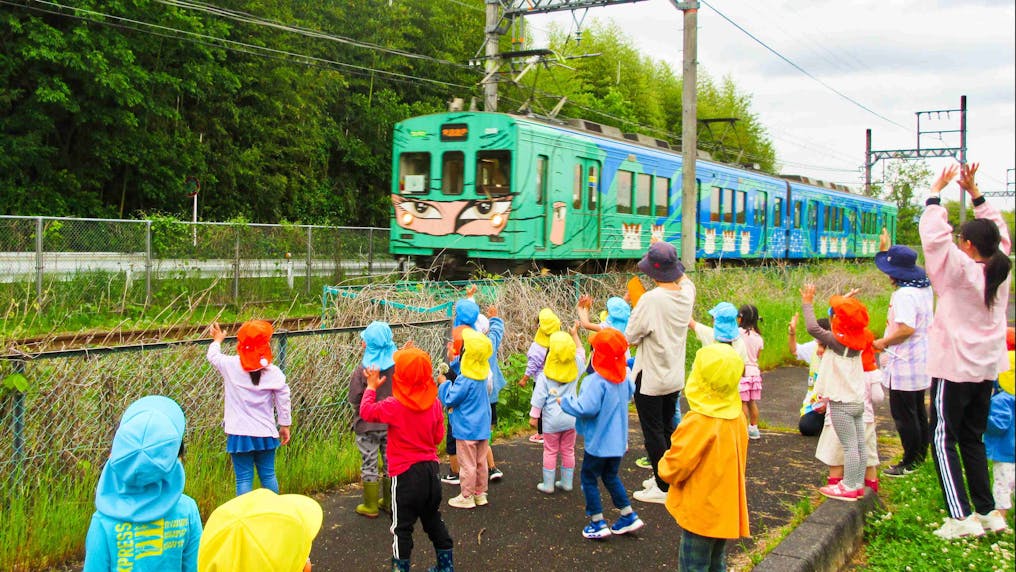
{"x":407,"y":218}
{"x":497,"y":220}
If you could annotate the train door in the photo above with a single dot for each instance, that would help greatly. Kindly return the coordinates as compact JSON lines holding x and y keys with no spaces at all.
{"x":585,"y":206}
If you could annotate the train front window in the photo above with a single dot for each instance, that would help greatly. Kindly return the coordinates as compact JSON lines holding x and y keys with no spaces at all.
{"x":493,"y":173}
{"x":414,"y":173}
{"x":453,"y":169}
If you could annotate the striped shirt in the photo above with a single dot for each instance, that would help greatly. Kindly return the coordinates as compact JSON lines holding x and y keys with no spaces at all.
{"x":906,"y":363}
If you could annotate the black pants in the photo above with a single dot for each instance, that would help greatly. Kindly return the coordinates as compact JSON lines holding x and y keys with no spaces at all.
{"x":656,"y":415}
{"x":959,"y":415}
{"x":911,"y":418}
{"x":811,"y":424}
{"x":417,"y":495}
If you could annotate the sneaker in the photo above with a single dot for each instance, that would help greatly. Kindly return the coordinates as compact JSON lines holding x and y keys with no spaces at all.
{"x":627,"y":523}
{"x":654,"y":495}
{"x":536,"y":438}
{"x":450,"y":479}
{"x":494,"y":474}
{"x":462,"y":502}
{"x":753,"y":432}
{"x":649,"y":483}
{"x":992,"y":522}
{"x":480,"y":499}
{"x":643,"y":462}
{"x":840,"y":492}
{"x":898,"y":470}
{"x":596,"y":529}
{"x":960,"y":528}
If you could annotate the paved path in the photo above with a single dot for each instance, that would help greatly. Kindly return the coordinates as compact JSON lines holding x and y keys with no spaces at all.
{"x":523,"y":529}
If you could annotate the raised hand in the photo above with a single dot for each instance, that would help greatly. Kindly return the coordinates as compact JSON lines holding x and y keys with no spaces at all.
{"x":471,"y":291}
{"x":853,"y":292}
{"x":792,"y":328}
{"x":585,"y":301}
{"x":216,"y":332}
{"x":491,"y":312}
{"x":884,"y":240}
{"x":808,"y":293}
{"x":944,"y":178}
{"x":966,"y":180}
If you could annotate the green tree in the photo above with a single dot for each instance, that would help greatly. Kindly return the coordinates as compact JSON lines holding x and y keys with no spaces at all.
{"x":901,"y":185}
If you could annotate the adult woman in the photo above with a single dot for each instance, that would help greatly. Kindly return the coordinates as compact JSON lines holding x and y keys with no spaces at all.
{"x":967,"y":343}
{"x":911,"y":309}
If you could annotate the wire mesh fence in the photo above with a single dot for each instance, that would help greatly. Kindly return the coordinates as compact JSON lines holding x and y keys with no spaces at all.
{"x":132,"y":261}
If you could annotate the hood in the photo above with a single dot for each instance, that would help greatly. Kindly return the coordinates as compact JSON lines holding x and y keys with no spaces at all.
{"x":725,"y":322}
{"x":712,"y":388}
{"x":609,"y":346}
{"x":560,"y":365}
{"x":253,"y":344}
{"x":1007,"y":379}
{"x":476,"y":352}
{"x":466,"y":312}
{"x":850,"y":322}
{"x":413,"y":382}
{"x":143,"y":478}
{"x":380,"y":346}
{"x":260,"y":531}
{"x":549,"y":323}
{"x":618,"y":312}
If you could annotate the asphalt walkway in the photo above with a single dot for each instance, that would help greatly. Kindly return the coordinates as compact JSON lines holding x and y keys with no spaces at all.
{"x":523,"y":529}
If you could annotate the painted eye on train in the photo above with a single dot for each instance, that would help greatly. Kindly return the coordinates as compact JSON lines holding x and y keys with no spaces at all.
{"x":420,"y":209}
{"x":485,"y":209}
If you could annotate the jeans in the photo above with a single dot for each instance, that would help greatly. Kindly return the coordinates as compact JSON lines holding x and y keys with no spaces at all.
{"x":605,"y":469}
{"x":243,"y":466}
{"x":701,"y":553}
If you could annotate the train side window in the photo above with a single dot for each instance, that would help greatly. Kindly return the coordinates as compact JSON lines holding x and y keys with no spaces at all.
{"x":541,"y":178}
{"x":453,"y":168}
{"x":714,"y":204}
{"x":594,"y":186}
{"x":577,"y":188}
{"x":624,"y":185}
{"x":494,"y":172}
{"x":414,"y":173}
{"x":742,"y":207}
{"x":778,"y":212}
{"x":812,"y":214}
{"x":644,"y":194}
{"x":661,"y":196}
{"x":798,"y":206}
{"x":761,"y":200}
{"x":728,"y":205}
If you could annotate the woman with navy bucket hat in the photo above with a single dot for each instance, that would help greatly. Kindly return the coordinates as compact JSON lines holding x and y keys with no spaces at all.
{"x":904,"y":347}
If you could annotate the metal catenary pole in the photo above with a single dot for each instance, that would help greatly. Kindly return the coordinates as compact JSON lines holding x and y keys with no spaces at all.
{"x":39,"y":268}
{"x":148,"y":262}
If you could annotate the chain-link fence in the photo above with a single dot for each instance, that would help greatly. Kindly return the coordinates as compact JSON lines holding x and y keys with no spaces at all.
{"x":132,"y":261}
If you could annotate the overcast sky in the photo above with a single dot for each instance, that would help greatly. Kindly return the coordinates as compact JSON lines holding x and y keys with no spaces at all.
{"x":895,"y":57}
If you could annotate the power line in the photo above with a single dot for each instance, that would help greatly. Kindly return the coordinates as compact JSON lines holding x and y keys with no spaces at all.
{"x":804,"y":71}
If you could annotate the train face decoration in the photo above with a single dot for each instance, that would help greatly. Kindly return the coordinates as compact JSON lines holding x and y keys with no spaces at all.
{"x":513,"y":193}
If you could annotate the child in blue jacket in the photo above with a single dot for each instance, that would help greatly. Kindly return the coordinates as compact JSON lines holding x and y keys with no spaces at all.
{"x":492,"y":326}
{"x":999,"y":445}
{"x":468,"y":402}
{"x":601,"y":415}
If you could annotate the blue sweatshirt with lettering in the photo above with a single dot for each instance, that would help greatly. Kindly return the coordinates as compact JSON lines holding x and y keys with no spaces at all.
{"x":143,"y":522}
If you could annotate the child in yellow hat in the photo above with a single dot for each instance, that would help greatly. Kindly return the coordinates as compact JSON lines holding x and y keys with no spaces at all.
{"x":565,"y":359}
{"x":536,"y":355}
{"x":1000,"y":442}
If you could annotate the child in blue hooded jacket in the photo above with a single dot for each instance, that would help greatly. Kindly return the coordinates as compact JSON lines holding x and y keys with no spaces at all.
{"x":492,"y":326}
{"x":467,"y":400}
{"x":999,"y":445}
{"x":143,"y":521}
{"x":601,"y":414}
{"x":372,"y":438}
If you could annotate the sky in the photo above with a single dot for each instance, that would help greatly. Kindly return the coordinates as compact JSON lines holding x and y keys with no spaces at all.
{"x":895,"y":57}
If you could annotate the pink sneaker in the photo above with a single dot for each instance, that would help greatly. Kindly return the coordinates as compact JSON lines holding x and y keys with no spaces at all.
{"x":536,"y":438}
{"x":840,"y":492}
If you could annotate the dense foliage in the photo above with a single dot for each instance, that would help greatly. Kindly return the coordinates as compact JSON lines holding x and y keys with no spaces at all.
{"x":109,"y":108}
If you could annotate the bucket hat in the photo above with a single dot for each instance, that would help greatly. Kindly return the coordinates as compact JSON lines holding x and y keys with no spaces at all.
{"x":900,"y":263}
{"x":413,"y":382}
{"x":661,"y":264}
{"x":712,"y":388}
{"x":549,"y":323}
{"x":253,"y":345}
{"x":609,"y":346}
{"x":560,"y":365}
{"x":725,"y":322}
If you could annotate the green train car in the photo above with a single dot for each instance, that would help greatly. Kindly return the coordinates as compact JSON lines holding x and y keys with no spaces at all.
{"x":513,"y":193}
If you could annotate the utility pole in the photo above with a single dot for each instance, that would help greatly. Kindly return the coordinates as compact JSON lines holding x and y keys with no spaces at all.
{"x":492,"y":64}
{"x":689,"y":133}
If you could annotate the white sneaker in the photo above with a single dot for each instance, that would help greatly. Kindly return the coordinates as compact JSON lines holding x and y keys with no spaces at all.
{"x":960,"y":528}
{"x":470,"y":502}
{"x":753,"y":432}
{"x":652,"y":495}
{"x":649,"y":483}
{"x":480,"y":499}
{"x":992,"y":522}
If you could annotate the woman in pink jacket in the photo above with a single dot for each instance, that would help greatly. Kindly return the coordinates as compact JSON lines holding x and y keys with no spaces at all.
{"x":967,"y":346}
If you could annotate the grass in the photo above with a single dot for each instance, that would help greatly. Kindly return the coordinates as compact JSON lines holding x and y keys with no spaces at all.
{"x":899,"y":536}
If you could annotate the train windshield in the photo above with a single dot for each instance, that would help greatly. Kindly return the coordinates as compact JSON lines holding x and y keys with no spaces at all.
{"x":414,"y":173}
{"x":493,"y":173}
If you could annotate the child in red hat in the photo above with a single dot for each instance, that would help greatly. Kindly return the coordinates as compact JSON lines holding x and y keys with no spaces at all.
{"x":257,"y":412}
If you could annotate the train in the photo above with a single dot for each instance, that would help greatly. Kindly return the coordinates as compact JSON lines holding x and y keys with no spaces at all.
{"x":513,"y":193}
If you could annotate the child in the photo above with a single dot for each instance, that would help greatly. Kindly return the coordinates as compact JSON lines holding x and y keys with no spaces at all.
{"x":372,"y":438}
{"x":705,"y":465}
{"x":841,"y":381}
{"x":751,"y":382}
{"x":537,"y":355}
{"x":415,"y":429}
{"x":829,"y":450}
{"x":452,"y":372}
{"x":601,"y":412}
{"x":492,"y":326}
{"x":261,"y":531}
{"x":255,"y":392}
{"x":616,"y":316}
{"x":565,"y":359}
{"x":813,"y":408}
{"x":467,"y":399}
{"x":142,"y":519}
{"x":999,"y":442}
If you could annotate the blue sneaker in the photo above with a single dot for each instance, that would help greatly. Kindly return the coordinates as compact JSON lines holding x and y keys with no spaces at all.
{"x":596,"y":529}
{"x":627,"y":523}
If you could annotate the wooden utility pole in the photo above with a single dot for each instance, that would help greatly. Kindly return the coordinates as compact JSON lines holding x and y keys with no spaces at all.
{"x":689,"y":134}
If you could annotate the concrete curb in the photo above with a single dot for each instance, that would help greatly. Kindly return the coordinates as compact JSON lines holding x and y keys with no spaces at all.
{"x":825,"y":541}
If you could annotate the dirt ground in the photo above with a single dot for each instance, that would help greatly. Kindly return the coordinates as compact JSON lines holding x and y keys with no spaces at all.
{"x":522,"y":528}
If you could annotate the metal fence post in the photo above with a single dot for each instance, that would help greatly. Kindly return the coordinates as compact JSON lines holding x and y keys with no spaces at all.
{"x":370,"y":252}
{"x":236,"y":266}
{"x":38,"y":259}
{"x":148,"y":262}
{"x":283,"y":346}
{"x":309,"y":253}
{"x":19,"y":423}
